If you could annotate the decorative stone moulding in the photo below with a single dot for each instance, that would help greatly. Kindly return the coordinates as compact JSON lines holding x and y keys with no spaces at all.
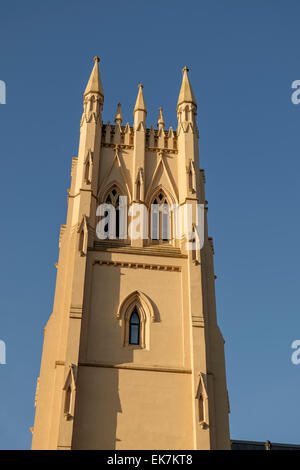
{"x":124,"y":137}
{"x":123,"y":264}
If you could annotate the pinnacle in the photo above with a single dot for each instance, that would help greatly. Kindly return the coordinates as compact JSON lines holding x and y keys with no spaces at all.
{"x":186,"y":94}
{"x":160,"y":122}
{"x":118,"y":117}
{"x":95,"y":84}
{"x":140,"y":102}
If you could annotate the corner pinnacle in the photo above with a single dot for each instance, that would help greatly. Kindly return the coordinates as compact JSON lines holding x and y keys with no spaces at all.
{"x":95,"y":84}
{"x":140,"y":102}
{"x":186,"y":94}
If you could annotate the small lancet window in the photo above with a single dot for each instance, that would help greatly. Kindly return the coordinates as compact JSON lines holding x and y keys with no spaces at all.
{"x":87,"y":173}
{"x":160,"y":218}
{"x":68,"y":400}
{"x":113,"y":198}
{"x":134,"y":328}
{"x":81,"y":241}
{"x":186,"y":113}
{"x":201,"y":408}
{"x":138,"y":190}
{"x":190,"y":180}
{"x":91,"y":103}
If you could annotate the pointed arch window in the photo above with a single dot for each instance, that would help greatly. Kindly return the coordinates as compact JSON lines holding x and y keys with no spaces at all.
{"x":160,"y":218}
{"x":113,"y":198}
{"x":70,"y":392}
{"x":88,"y":168}
{"x":81,"y":241}
{"x":68,"y":400}
{"x":135,"y":314}
{"x":87,"y":172}
{"x":186,"y":113}
{"x":134,"y":328}
{"x":92,"y":103}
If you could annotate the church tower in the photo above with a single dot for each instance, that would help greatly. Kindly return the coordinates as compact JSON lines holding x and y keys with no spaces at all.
{"x":133,"y":357}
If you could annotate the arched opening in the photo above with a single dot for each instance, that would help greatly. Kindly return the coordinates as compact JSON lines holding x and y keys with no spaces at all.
{"x":87,"y":173}
{"x":201,"y":408}
{"x":68,"y":400}
{"x":136,"y":313}
{"x":186,"y":113}
{"x":138,"y":190}
{"x":81,"y":241}
{"x":160,"y":218}
{"x":91,"y":103}
{"x":113,"y":198}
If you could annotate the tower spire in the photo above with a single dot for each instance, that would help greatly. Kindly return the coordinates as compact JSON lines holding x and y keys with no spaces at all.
{"x":95,"y":84}
{"x":186,"y":94}
{"x":140,"y":102}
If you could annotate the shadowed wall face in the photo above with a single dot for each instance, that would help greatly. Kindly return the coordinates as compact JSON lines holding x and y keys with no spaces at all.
{"x":133,"y":409}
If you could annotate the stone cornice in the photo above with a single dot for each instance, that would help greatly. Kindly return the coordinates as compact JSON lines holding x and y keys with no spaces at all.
{"x":160,"y":251}
{"x":83,"y":190}
{"x":126,"y":264}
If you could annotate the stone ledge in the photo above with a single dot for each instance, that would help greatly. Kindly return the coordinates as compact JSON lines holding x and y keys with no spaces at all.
{"x":176,"y":370}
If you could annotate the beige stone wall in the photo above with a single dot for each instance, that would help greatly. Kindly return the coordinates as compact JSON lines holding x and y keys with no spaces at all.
{"x":110,"y":286}
{"x":133,"y":409}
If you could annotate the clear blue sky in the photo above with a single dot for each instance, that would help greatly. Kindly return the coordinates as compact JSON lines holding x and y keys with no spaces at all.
{"x":243,"y":57}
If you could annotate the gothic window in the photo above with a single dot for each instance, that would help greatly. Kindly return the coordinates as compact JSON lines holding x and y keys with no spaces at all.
{"x":186,"y":113}
{"x":68,"y":400}
{"x":69,"y":392}
{"x":81,"y":241}
{"x":113,"y":198}
{"x":83,"y":236}
{"x":91,"y":103}
{"x":160,"y":218}
{"x":190,"y":180}
{"x":136,"y":313}
{"x":138,"y":190}
{"x":134,"y":328}
{"x":87,"y":173}
{"x":201,"y":408}
{"x":202,"y":402}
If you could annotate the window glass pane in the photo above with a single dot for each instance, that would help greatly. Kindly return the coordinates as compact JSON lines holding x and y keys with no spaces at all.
{"x":134,"y":334}
{"x":134,"y":328}
{"x":135,"y":319}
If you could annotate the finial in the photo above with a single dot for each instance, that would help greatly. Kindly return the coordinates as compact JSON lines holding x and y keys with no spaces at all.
{"x":96,"y":59}
{"x":118,"y":117}
{"x":160,"y":122}
{"x":140,"y":85}
{"x":185,"y":69}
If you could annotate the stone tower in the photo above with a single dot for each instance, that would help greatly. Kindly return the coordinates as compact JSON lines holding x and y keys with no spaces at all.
{"x":133,"y":357}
